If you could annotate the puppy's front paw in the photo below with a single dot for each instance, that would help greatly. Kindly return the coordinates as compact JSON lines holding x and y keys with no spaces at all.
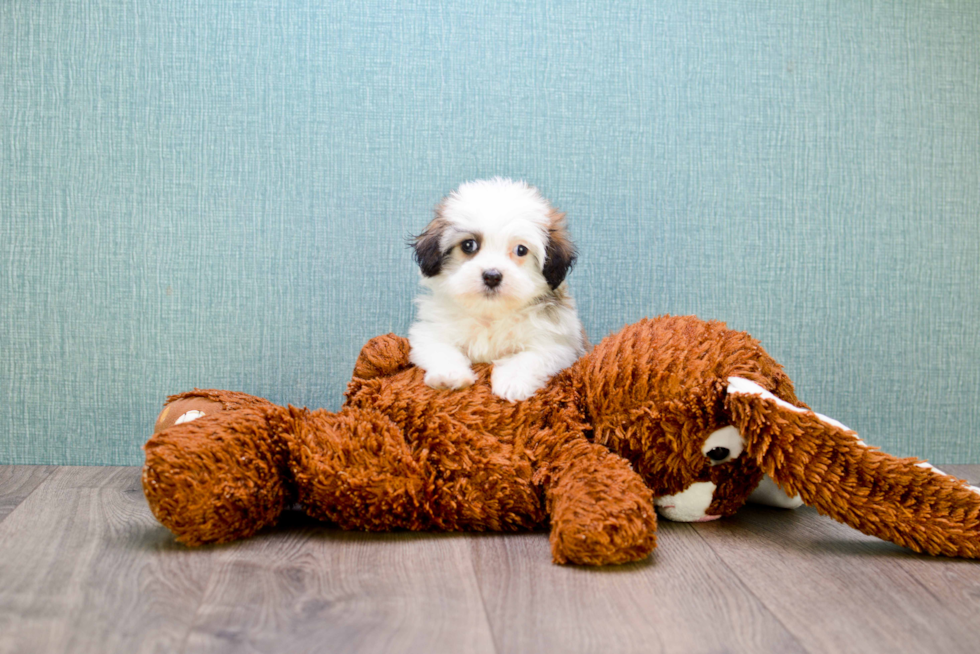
{"x":450,"y":378}
{"x":514,"y":383}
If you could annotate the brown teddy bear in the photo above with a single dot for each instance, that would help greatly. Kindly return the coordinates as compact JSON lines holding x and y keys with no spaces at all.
{"x":674,"y":412}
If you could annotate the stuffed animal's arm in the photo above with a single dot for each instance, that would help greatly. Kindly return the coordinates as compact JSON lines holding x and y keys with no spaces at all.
{"x":382,"y":356}
{"x":601,"y":511}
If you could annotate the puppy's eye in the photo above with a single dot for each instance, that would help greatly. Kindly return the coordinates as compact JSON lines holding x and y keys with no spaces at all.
{"x":469,"y":246}
{"x":520,"y":250}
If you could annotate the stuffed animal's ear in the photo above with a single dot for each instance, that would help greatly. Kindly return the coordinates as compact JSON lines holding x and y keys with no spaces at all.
{"x":905,"y":501}
{"x":768,"y":493}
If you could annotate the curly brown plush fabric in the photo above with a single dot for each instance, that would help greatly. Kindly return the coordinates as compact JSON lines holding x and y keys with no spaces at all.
{"x":586,"y":455}
{"x":219,"y":477}
{"x":901,"y":500}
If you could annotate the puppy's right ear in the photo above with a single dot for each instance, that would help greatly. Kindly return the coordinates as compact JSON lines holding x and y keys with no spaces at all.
{"x":428,"y":251}
{"x":559,"y":252}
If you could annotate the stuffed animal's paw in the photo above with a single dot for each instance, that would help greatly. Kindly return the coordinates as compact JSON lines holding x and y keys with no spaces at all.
{"x":620,"y":539}
{"x":601,"y":510}
{"x":450,"y":378}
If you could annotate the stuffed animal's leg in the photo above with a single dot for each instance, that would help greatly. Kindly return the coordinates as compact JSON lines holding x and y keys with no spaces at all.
{"x":359,"y":469}
{"x":219,"y":476}
{"x":905,"y":501}
{"x":601,"y":511}
{"x":354,"y":468}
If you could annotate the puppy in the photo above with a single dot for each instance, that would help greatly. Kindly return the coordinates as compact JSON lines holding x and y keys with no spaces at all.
{"x":494,"y":261}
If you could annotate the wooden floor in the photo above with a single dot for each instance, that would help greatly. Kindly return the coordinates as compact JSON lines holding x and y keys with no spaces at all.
{"x":84,"y":567}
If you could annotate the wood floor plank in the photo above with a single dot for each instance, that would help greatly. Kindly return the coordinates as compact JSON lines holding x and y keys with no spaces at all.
{"x":308,"y":588}
{"x":86,"y":568}
{"x":954,"y":583}
{"x":682,"y":599}
{"x":17,"y":482}
{"x":839,"y":590}
{"x":118,"y":477}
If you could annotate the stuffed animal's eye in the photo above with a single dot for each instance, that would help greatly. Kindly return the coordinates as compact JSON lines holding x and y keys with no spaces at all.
{"x":718,"y":453}
{"x":723,"y":445}
{"x":469,"y":246}
{"x":520,"y":250}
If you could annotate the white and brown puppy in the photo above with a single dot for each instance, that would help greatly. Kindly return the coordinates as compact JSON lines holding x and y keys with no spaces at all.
{"x":494,"y":261}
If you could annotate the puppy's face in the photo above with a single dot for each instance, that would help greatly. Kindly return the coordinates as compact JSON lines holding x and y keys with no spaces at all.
{"x":494,"y":244}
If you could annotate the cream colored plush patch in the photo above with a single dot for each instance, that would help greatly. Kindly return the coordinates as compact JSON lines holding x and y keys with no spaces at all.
{"x":690,"y":505}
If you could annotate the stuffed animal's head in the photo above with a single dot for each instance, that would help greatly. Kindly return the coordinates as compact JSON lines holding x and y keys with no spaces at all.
{"x":703,"y":412}
{"x":656,"y":391}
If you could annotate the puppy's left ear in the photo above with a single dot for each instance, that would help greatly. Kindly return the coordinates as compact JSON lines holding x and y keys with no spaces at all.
{"x":559,"y":252}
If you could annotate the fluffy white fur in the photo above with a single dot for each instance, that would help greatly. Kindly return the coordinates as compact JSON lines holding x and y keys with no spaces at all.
{"x":525,"y":324}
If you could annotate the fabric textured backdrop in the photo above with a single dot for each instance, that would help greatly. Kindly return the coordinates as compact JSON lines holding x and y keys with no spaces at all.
{"x":218,"y":193}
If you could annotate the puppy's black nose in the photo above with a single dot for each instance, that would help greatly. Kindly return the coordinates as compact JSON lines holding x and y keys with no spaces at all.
{"x":492,"y":278}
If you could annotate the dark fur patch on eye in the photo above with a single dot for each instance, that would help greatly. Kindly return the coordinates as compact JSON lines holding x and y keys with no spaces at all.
{"x":559,"y":253}
{"x":472,"y":236}
{"x":428,"y":253}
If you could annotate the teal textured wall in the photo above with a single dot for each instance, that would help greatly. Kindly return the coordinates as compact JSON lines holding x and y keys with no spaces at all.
{"x":217,"y":193}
